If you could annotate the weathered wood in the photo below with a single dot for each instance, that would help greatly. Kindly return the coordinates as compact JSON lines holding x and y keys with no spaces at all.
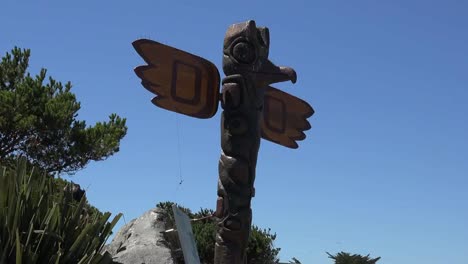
{"x":188,"y":84}
{"x":184,"y":83}
{"x":249,"y":74}
{"x":284,"y":118}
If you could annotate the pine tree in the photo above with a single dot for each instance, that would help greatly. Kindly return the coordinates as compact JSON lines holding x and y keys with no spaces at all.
{"x":346,"y":258}
{"x":38,"y":121}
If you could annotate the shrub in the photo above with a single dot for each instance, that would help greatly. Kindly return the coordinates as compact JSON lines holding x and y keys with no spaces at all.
{"x":260,"y":249}
{"x":40,"y":223}
{"x":347,"y":258}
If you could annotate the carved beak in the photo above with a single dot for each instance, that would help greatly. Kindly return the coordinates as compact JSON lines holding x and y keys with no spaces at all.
{"x":270,"y":73}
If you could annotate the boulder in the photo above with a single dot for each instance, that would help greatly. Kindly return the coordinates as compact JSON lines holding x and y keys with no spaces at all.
{"x":141,"y":241}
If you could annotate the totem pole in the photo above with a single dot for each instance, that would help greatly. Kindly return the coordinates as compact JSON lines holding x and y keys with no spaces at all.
{"x":187,"y":84}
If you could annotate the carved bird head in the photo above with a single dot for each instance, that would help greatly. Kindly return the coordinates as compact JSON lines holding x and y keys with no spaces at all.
{"x":245,"y":51}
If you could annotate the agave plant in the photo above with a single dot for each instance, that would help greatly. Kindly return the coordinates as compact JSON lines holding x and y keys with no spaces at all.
{"x":40,"y":223}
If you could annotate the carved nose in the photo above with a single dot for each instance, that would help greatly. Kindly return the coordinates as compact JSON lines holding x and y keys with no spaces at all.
{"x":290,"y":73}
{"x":270,"y":73}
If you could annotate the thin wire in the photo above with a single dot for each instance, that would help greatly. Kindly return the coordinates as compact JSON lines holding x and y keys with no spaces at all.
{"x":179,"y":157}
{"x":181,"y":179}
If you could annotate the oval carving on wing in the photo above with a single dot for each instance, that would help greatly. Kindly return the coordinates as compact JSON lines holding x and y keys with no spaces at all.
{"x":182,"y":82}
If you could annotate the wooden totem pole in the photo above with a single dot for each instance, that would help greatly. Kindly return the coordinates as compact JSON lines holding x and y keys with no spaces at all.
{"x":187,"y":84}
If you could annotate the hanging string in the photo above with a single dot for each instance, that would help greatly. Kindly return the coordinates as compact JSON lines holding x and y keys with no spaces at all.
{"x":179,"y":158}
{"x":179,"y":153}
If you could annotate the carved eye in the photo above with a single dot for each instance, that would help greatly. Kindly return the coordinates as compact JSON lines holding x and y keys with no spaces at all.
{"x":244,"y":52}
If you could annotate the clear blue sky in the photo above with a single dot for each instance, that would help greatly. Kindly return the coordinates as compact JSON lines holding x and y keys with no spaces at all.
{"x":384,"y":168}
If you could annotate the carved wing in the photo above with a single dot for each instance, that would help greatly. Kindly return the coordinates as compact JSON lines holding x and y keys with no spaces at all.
{"x":284,"y":118}
{"x":182,"y":82}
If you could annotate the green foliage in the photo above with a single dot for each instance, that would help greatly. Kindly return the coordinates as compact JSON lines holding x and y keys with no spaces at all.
{"x":346,"y":258}
{"x":41,"y":224}
{"x":260,"y":249}
{"x":61,"y":184}
{"x":38,"y":121}
{"x":294,"y":261}
{"x":204,"y":232}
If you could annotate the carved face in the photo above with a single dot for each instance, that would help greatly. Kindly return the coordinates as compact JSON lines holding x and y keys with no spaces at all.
{"x":245,"y":48}
{"x":246,"y":52}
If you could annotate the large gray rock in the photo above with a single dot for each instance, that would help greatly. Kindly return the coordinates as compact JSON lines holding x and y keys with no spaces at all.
{"x":141,"y":241}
